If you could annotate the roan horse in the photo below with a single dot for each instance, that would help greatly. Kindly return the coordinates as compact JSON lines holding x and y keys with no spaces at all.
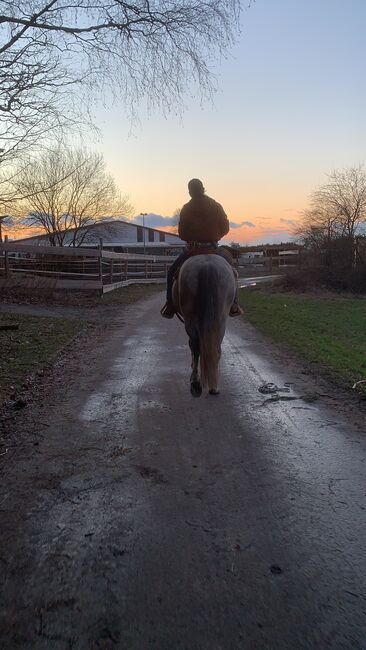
{"x":203,"y":295}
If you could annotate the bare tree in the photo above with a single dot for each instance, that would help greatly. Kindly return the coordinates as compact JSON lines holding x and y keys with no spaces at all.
{"x":337,"y":210}
{"x":67,"y":192}
{"x":343,"y":200}
{"x":53,"y":50}
{"x":318,"y":226}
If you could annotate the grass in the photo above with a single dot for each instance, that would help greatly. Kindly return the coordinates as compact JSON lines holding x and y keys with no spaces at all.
{"x":38,"y":339}
{"x":27,"y":349}
{"x":328,"y":331}
{"x":123,"y":296}
{"x":130,"y":294}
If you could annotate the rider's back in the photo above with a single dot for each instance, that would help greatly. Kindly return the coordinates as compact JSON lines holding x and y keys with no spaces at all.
{"x":202,"y":219}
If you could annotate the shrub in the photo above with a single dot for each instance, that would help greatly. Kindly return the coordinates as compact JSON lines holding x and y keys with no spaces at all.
{"x":335,"y":279}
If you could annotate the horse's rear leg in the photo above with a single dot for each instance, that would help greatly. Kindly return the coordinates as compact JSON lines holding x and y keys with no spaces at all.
{"x":213,"y":388}
{"x":196,"y":388}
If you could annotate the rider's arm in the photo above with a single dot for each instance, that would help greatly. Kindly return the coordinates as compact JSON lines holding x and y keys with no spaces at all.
{"x":223,"y":221}
{"x":183,"y":227}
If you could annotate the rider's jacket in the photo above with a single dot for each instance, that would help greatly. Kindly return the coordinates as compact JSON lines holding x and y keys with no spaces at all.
{"x":202,"y":220}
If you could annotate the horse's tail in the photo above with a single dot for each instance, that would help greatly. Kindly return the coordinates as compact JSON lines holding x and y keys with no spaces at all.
{"x":208,"y":325}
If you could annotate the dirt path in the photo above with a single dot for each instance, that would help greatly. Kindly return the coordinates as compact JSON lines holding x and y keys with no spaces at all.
{"x":135,"y":516}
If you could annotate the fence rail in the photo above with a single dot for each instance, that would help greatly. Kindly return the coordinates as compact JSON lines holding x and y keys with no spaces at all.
{"x":78,"y":267}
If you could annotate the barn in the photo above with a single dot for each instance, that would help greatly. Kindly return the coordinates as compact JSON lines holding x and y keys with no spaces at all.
{"x":119,"y":236}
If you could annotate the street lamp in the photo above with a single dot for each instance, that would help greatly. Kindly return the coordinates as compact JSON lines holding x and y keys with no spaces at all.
{"x":143,"y":215}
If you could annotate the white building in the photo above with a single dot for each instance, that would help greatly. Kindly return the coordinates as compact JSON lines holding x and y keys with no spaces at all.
{"x":119,"y":236}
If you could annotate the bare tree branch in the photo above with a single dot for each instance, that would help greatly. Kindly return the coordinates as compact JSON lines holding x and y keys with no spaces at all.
{"x":336,"y":214}
{"x":66,"y":192}
{"x":56,"y":53}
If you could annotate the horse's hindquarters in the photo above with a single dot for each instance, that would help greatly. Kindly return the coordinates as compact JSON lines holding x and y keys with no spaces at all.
{"x":205,"y":293}
{"x":201,"y":277}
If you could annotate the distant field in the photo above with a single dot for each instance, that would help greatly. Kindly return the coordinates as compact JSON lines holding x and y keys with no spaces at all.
{"x":330,"y":331}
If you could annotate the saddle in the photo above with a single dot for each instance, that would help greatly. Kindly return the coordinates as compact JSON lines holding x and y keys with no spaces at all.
{"x":202,"y":248}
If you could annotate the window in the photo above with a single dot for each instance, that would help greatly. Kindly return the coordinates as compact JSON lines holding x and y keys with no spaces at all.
{"x":161,"y":236}
{"x":151,"y":235}
{"x":140,"y":234}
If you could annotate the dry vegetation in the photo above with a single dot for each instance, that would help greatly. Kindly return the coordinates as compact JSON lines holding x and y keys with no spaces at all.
{"x":38,"y":340}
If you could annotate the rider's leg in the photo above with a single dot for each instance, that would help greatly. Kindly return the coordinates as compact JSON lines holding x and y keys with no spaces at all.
{"x":168,"y":310}
{"x":235,"y":309}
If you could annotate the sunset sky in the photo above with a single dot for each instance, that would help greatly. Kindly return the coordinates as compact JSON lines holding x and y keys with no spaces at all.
{"x":290,"y":107}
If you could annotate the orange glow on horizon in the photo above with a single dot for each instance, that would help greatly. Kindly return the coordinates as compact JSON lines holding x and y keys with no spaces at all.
{"x":264,"y":232}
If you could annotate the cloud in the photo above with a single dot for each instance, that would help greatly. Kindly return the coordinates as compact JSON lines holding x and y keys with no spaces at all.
{"x":156,"y":220}
{"x":288,"y":222}
{"x":249,"y":224}
{"x":274,"y":237}
{"x":261,"y":235}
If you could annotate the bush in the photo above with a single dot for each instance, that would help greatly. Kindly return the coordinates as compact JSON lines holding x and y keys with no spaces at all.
{"x":335,"y":279}
{"x":354,"y":280}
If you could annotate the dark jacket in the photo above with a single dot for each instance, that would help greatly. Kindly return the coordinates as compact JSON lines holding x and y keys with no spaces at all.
{"x":202,"y":219}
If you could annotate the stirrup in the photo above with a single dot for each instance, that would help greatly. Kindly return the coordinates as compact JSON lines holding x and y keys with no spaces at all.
{"x":168,"y":311}
{"x":235,"y":310}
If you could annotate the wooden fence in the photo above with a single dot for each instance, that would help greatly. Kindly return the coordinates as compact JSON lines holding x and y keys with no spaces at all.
{"x":77,"y":268}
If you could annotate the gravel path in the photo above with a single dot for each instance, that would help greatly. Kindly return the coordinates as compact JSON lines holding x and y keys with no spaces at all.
{"x":135,"y":516}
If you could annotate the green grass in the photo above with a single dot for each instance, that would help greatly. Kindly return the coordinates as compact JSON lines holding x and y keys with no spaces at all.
{"x":27,"y":349}
{"x":123,"y":296}
{"x":130,"y":294}
{"x":330,"y":331}
{"x":38,"y":339}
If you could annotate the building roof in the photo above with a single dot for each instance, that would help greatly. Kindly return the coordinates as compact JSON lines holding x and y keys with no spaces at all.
{"x":99,"y":224}
{"x":138,"y":244}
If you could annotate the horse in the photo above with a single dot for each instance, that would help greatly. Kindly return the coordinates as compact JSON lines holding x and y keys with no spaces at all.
{"x":203,"y":294}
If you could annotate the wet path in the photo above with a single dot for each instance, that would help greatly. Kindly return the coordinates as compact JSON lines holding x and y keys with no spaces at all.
{"x":145,"y":518}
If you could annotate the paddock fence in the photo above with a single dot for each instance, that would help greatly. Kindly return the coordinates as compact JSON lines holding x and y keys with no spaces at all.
{"x":77,"y":268}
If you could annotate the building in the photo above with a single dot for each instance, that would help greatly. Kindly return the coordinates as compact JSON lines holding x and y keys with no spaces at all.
{"x":271,"y":255}
{"x":119,"y":236}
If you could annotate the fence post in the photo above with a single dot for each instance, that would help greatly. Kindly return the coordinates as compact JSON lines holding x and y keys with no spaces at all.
{"x":6,"y":260}
{"x":111,"y":272}
{"x":101,"y":261}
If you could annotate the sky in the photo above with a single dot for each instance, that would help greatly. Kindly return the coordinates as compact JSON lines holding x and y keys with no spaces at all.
{"x":290,"y":108}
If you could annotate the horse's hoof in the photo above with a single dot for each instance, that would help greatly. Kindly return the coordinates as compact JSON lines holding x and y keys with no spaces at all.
{"x":214,"y":391}
{"x":196,"y":388}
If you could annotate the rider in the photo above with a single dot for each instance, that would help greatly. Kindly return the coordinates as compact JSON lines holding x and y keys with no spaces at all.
{"x":202,"y":223}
